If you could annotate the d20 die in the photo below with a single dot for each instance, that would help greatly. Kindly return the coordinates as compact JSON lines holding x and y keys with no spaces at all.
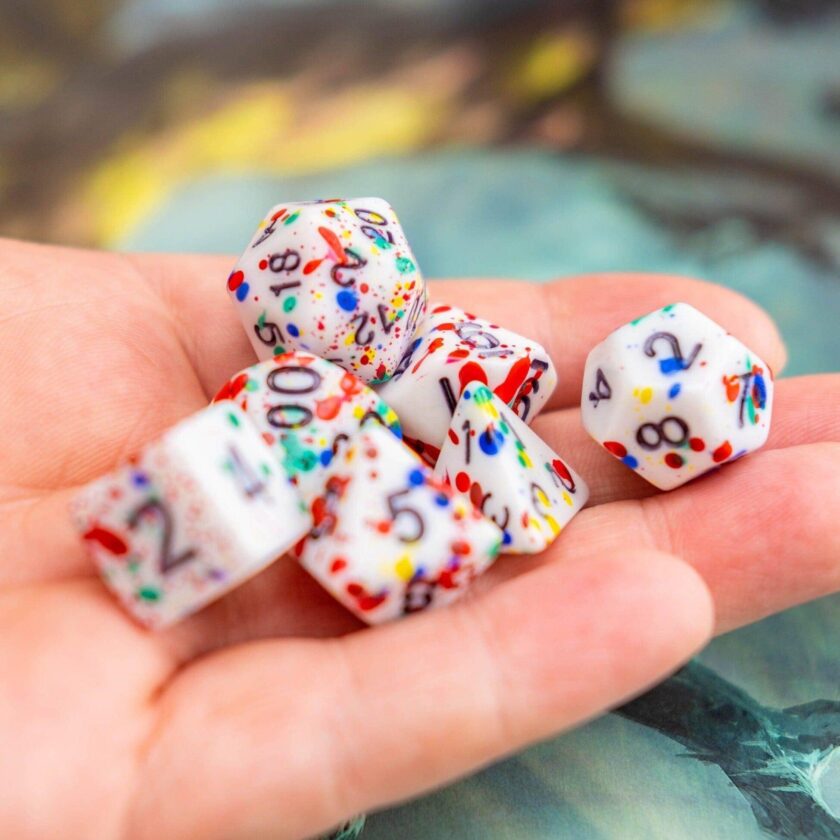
{"x":451,"y":349}
{"x":673,"y":395}
{"x":390,"y":539}
{"x":306,"y":408}
{"x":195,"y":514}
{"x":335,"y":278}
{"x":511,"y":475}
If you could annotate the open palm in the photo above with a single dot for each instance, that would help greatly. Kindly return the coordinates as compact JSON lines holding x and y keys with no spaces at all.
{"x":267,"y":714}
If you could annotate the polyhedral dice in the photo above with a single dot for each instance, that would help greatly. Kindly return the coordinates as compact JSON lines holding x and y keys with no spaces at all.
{"x":196,"y":513}
{"x":336,"y":278}
{"x":451,"y":349}
{"x":673,"y":395}
{"x":389,"y":538}
{"x":306,"y":408}
{"x":511,"y":475}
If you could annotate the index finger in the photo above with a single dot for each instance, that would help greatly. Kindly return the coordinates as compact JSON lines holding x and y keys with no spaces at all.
{"x":568,"y":317}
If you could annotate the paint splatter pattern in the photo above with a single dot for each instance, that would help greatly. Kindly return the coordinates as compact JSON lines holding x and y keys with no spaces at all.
{"x":451,"y":349}
{"x":335,"y":278}
{"x":672,"y":395}
{"x":306,"y":409}
{"x":389,"y":538}
{"x":511,"y":476}
{"x":191,"y":517}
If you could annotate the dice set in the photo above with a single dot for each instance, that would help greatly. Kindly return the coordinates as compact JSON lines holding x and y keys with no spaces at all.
{"x":383,"y":442}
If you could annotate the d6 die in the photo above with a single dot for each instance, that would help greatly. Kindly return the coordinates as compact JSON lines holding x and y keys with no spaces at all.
{"x":305,"y":408}
{"x":673,"y":395}
{"x":390,"y":539}
{"x":196,"y":513}
{"x":336,"y":278}
{"x":451,"y":349}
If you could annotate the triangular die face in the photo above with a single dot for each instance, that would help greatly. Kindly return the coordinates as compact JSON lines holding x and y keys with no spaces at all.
{"x":512,"y":476}
{"x":391,"y":539}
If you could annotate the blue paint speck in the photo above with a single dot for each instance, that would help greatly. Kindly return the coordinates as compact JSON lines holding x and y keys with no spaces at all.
{"x":347,"y":300}
{"x":507,"y":539}
{"x":630,"y":461}
{"x":490,"y":441}
{"x":293,"y":330}
{"x":441,"y":500}
{"x":415,"y":478}
{"x":325,"y":457}
{"x":242,"y":292}
{"x":139,"y":479}
{"x":675,"y":391}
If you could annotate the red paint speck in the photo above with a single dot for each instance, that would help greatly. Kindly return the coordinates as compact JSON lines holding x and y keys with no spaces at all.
{"x":697,"y":444}
{"x":462,"y":482}
{"x":337,"y":565}
{"x":111,"y":542}
{"x":723,"y":452}
{"x":673,"y":460}
{"x":453,"y":436}
{"x":235,"y":280}
{"x":461,"y":547}
{"x":263,"y":264}
{"x":615,"y":448}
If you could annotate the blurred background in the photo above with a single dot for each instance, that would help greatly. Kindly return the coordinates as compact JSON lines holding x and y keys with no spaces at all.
{"x":529,"y":138}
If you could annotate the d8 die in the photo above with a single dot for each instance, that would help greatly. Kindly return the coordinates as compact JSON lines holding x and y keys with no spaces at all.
{"x":305,"y":408}
{"x":336,"y":278}
{"x":196,"y":513}
{"x":511,"y":475}
{"x":451,"y":349}
{"x":673,"y":395}
{"x":390,"y":539}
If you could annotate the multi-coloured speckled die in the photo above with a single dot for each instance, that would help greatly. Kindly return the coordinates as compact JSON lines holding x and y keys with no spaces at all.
{"x":335,"y":278}
{"x":510,"y":474}
{"x":390,"y":539}
{"x":195,"y":514}
{"x":452,"y":348}
{"x":673,"y":395}
{"x":306,"y":408}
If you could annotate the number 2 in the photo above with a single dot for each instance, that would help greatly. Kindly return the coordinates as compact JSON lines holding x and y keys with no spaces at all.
{"x":167,"y":561}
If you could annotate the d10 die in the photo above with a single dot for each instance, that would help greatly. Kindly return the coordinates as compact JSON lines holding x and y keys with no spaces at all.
{"x":451,"y":349}
{"x":195,"y":514}
{"x":673,"y":395}
{"x":510,"y":474}
{"x":336,"y":278}
{"x":306,"y":408}
{"x":390,"y":539}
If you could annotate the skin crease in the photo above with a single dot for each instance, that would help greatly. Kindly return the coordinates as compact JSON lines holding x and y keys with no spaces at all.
{"x":271,"y":713}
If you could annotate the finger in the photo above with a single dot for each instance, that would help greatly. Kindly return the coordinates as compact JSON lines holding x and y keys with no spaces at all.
{"x":806,"y":410}
{"x":568,"y":317}
{"x":762,"y":532}
{"x":284,"y":739}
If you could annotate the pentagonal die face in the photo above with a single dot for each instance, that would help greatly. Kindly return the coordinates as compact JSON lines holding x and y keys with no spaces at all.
{"x":335,"y":278}
{"x":453,"y":348}
{"x":673,"y":395}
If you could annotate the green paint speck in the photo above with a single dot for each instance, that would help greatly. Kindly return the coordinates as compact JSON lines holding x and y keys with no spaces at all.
{"x":261,"y":320}
{"x":293,"y":218}
{"x":405,"y":265}
{"x":234,"y":420}
{"x":149,"y":593}
{"x":289,"y":304}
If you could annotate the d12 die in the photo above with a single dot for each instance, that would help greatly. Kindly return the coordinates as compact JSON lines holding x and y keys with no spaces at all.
{"x":390,"y":539}
{"x":451,"y":349}
{"x":511,"y":475}
{"x":673,"y":395}
{"x":336,"y":278}
{"x":306,"y":408}
{"x":196,"y":513}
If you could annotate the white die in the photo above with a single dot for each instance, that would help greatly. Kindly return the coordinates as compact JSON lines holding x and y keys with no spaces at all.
{"x":305,"y":408}
{"x":510,"y":474}
{"x":673,"y":395}
{"x":389,"y":538}
{"x":451,"y":349}
{"x":335,"y":278}
{"x":195,"y":514}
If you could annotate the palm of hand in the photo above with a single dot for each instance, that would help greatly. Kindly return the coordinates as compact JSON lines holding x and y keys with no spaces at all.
{"x":204,"y":731}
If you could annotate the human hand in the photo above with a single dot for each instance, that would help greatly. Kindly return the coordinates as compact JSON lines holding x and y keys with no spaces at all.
{"x":265,"y":714}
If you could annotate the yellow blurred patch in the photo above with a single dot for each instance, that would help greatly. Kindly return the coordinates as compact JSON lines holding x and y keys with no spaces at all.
{"x":554,"y":62}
